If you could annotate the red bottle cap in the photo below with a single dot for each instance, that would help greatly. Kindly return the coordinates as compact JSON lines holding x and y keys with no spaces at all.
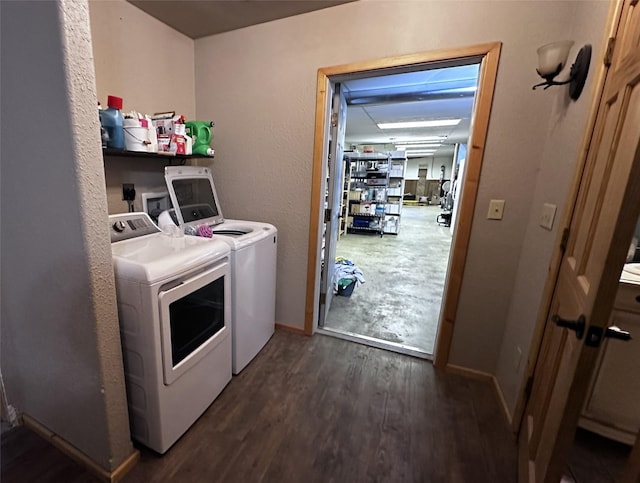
{"x":114,"y":102}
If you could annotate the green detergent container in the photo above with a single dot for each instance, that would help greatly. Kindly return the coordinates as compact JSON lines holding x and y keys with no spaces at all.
{"x":200,"y":131}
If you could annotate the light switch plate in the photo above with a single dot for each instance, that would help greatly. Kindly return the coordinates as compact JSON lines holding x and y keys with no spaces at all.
{"x":496,"y":209}
{"x":547,"y":216}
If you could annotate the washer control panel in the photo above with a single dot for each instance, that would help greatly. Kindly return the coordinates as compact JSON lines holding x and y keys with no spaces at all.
{"x":130,"y":225}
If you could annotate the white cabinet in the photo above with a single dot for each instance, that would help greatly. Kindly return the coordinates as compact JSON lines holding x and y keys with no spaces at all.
{"x":612,"y":406}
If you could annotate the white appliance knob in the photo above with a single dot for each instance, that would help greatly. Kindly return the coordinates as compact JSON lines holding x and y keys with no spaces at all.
{"x":119,"y":226}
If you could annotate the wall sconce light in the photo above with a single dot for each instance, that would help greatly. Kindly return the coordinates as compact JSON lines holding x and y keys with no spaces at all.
{"x":552,"y":58}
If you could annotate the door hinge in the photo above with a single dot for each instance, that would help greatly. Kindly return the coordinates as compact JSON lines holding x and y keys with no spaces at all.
{"x":323,"y":298}
{"x":327,"y":215}
{"x":528,"y":387}
{"x":334,"y":119}
{"x":608,"y":54}
{"x":564,"y":240}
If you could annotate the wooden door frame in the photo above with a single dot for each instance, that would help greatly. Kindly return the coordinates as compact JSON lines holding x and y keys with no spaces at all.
{"x":488,"y":55}
{"x":613,"y":22}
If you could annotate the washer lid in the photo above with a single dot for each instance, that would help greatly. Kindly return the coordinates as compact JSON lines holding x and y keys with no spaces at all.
{"x":193,"y":195}
{"x":241,"y":233}
{"x":156,"y":257}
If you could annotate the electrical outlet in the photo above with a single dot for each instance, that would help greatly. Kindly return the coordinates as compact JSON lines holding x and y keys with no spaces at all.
{"x":128,"y":191}
{"x":155,"y":203}
{"x":547,"y":216}
{"x":496,"y":209}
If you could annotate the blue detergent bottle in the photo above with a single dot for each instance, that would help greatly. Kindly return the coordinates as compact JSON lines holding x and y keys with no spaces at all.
{"x":111,"y":119}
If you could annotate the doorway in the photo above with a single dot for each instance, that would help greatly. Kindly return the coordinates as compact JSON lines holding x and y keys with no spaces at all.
{"x":396,"y":213}
{"x":487,"y":56}
{"x":399,"y":303}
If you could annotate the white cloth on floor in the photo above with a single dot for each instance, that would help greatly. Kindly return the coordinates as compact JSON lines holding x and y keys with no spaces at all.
{"x":343,"y":268}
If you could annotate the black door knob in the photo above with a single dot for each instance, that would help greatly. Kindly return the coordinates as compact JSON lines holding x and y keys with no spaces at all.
{"x":577,"y":325}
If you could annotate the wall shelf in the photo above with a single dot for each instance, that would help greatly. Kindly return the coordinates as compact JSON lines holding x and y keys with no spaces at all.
{"x":170,"y":159}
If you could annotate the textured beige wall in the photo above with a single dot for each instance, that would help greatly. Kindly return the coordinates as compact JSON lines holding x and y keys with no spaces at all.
{"x":140,"y":59}
{"x":61,"y":357}
{"x":565,"y":131}
{"x":147,"y":175}
{"x":151,"y":66}
{"x":259,"y":86}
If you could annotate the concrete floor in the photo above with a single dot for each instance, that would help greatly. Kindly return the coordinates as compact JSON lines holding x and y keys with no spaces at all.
{"x":401,"y":298}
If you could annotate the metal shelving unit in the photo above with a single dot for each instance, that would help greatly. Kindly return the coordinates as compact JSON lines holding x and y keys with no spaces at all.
{"x":369,"y":181}
{"x":393,"y":210}
{"x":375,"y":192}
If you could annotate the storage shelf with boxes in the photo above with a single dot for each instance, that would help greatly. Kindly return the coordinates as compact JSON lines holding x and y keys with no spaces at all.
{"x":376,"y":185}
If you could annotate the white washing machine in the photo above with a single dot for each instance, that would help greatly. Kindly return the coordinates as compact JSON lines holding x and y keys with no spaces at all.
{"x":253,"y":258}
{"x":174,"y":306}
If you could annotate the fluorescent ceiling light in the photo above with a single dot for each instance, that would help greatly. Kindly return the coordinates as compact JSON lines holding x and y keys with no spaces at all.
{"x":411,"y":146}
{"x":418,"y":151}
{"x":461,"y":89}
{"x":414,"y":139}
{"x":412,"y":124}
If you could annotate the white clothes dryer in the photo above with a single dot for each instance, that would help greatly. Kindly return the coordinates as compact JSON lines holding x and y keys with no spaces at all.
{"x":174,"y":306}
{"x":253,"y":257}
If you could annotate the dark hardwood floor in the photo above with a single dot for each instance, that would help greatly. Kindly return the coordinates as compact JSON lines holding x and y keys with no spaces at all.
{"x":595,"y":459}
{"x":318,"y":409}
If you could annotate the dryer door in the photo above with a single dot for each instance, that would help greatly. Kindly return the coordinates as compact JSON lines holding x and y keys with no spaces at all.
{"x":195,"y":316}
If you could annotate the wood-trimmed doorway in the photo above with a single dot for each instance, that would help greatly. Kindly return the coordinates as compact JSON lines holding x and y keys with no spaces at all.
{"x":488,"y":56}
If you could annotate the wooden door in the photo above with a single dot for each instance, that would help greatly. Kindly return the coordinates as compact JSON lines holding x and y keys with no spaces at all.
{"x":607,"y":209}
{"x":335,"y":180}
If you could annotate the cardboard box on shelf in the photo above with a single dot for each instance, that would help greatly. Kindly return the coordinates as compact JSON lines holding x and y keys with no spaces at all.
{"x":164,"y":143}
{"x":163,"y":126}
{"x":391,"y":224}
{"x":360,"y":223}
{"x":393,"y":209}
{"x":367,"y":208}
